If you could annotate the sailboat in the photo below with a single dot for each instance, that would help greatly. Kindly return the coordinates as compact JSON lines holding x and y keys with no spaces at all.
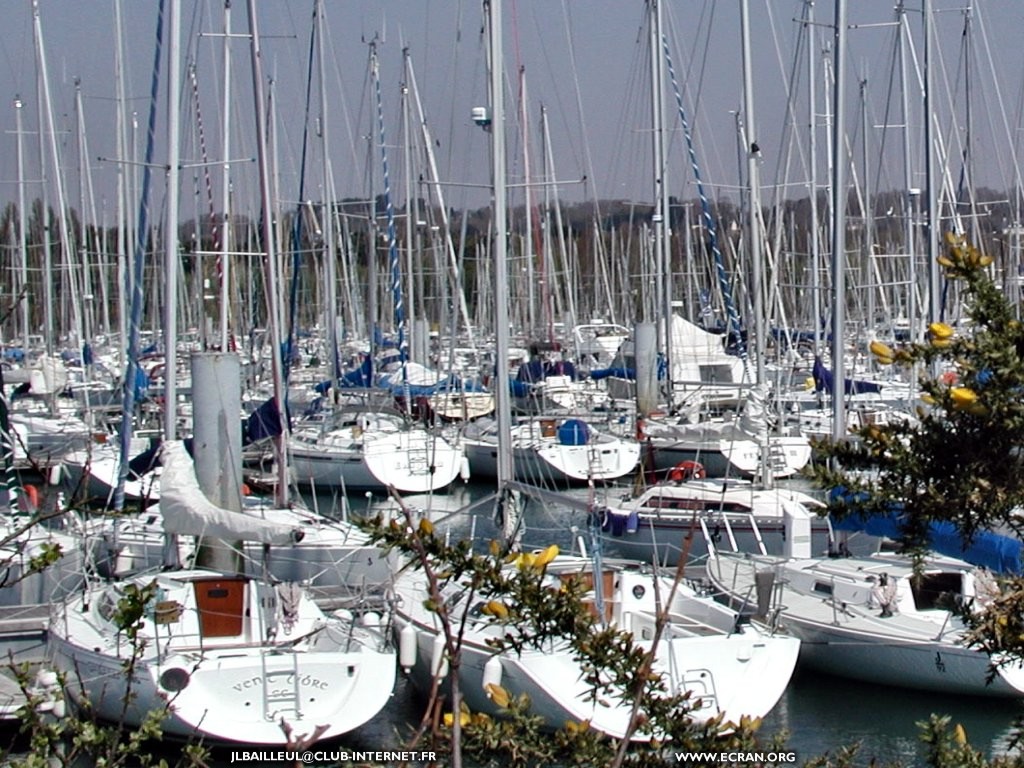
{"x":552,"y":449}
{"x":226,"y":656}
{"x":703,"y":650}
{"x":372,"y":449}
{"x":729,"y":445}
{"x":876,"y":618}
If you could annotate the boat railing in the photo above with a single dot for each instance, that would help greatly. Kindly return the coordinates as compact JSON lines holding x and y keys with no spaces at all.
{"x":747,"y":601}
{"x":712,"y":547}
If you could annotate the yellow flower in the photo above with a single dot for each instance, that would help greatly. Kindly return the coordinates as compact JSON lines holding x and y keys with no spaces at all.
{"x":883,"y":353}
{"x":525,"y":561}
{"x":941,"y":330}
{"x":449,"y":719}
{"x":963,"y":397}
{"x":497,"y":694}
{"x":960,"y":734}
{"x":545,"y":556}
{"x":496,"y":608}
{"x":426,"y":527}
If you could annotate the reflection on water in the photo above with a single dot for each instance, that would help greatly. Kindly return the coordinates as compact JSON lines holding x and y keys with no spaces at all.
{"x":822,"y":713}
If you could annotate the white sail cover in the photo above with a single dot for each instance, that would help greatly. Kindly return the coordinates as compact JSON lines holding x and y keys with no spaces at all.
{"x":186,"y":509}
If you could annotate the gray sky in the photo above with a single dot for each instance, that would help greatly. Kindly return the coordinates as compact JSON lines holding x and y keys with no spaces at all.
{"x":585,"y":61}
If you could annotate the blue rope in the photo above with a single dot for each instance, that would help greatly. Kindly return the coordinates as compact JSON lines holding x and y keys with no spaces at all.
{"x":733,"y":324}
{"x":396,"y":273}
{"x":131,"y":378}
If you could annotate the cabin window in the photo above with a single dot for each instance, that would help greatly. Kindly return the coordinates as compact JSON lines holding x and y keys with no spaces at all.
{"x":936,"y":590}
{"x":822,"y":588}
{"x":700,"y":505}
{"x":716,"y":374}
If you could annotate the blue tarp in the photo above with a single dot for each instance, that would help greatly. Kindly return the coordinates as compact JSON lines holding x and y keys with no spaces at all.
{"x":619,"y":373}
{"x":824,"y":381}
{"x":998,"y":553}
{"x":360,"y":377}
{"x":264,"y":422}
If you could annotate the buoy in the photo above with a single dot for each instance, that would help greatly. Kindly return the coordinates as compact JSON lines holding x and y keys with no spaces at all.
{"x":371,"y":620}
{"x":464,"y":469}
{"x":687,"y":470}
{"x":439,"y":658}
{"x":492,"y":672}
{"x":55,"y":473}
{"x":407,"y":647}
{"x":246,"y":490}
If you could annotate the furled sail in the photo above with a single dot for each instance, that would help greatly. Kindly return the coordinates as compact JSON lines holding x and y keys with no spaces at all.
{"x":186,"y":509}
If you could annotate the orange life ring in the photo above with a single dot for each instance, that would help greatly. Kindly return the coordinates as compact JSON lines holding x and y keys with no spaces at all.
{"x":687,"y":470}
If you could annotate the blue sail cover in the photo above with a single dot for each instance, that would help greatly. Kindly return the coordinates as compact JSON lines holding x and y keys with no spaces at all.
{"x":1000,"y":554}
{"x":824,"y":381}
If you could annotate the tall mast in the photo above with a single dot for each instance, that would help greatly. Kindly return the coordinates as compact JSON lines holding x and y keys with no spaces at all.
{"x":171,"y":232}
{"x":225,"y":191}
{"x":22,"y":228}
{"x":931,"y":175}
{"x":327,"y":225}
{"x":503,"y":404}
{"x":125,"y":190}
{"x":839,"y":227}
{"x":753,"y":155}
{"x":660,"y":219}
{"x":46,"y":119}
{"x":274,"y":314}
{"x":911,"y":194}
{"x":815,"y":242}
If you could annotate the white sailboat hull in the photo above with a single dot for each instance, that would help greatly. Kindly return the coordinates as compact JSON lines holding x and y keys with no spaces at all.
{"x":412,"y":461}
{"x":228,"y":669}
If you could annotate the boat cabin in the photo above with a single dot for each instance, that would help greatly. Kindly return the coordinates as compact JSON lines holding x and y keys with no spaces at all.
{"x":205,"y":608}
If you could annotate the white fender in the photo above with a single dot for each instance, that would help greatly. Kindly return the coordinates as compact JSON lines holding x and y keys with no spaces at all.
{"x":407,"y":647}
{"x":439,"y":658}
{"x":492,"y":672}
{"x":464,"y":468}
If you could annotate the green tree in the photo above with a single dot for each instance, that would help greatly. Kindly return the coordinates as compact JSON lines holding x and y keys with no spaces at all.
{"x":960,"y":462}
